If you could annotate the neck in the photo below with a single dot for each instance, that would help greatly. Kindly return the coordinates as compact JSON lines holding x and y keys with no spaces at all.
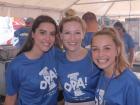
{"x":92,"y":27}
{"x":33,"y":54}
{"x":112,"y":72}
{"x":108,"y":73}
{"x":78,"y":55}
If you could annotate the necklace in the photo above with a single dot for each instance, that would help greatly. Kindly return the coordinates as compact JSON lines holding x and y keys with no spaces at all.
{"x":102,"y":89}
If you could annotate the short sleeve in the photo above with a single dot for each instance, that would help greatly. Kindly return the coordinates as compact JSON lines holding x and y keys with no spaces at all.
{"x":12,"y":80}
{"x":133,"y":95}
{"x":130,"y":42}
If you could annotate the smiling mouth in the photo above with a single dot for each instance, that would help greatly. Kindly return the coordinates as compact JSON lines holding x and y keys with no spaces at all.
{"x":102,"y":61}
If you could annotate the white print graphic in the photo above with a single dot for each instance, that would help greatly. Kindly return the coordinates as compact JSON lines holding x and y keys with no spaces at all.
{"x":99,"y":98}
{"x":49,"y":76}
{"x":75,"y":84}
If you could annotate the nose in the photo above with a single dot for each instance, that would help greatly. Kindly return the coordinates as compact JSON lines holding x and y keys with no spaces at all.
{"x":100,"y":53}
{"x":72,"y":37}
{"x":48,"y":37}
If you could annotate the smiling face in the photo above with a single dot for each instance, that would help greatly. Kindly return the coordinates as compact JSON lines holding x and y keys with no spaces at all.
{"x":44,"y":37}
{"x":72,"y":36}
{"x":104,"y":52}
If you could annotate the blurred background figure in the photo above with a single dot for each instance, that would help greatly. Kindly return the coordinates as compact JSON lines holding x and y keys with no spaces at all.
{"x":92,"y":27}
{"x":20,"y":35}
{"x":128,"y":41}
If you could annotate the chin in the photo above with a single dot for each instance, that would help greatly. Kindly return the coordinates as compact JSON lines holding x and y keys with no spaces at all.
{"x":101,"y":66}
{"x":45,"y":49}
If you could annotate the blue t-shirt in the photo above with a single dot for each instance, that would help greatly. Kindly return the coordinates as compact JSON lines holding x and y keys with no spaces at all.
{"x":22,"y":35}
{"x":35,"y":81}
{"x":128,"y":42}
{"x":78,"y":78}
{"x":121,"y":90}
{"x":87,"y":39}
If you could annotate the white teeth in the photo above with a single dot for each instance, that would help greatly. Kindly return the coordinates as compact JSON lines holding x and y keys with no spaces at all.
{"x":102,"y":60}
{"x":46,"y":44}
{"x":72,"y":43}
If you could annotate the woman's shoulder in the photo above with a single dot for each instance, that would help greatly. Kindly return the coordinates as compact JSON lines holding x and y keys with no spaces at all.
{"x":18,"y":58}
{"x":15,"y":63}
{"x":59,"y":53}
{"x":130,"y":77}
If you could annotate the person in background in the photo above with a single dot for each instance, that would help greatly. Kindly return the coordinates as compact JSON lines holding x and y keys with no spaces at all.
{"x":117,"y":85}
{"x":31,"y":77}
{"x":20,"y":35}
{"x":92,"y":27}
{"x":128,"y":42}
{"x":77,"y":73}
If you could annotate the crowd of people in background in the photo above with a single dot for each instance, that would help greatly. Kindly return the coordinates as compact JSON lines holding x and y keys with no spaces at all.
{"x":92,"y":65}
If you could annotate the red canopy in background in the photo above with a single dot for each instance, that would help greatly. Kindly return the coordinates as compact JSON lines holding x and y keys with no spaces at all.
{"x":18,"y":22}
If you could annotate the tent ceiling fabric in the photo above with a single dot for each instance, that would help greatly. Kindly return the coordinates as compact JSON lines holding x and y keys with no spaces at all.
{"x":109,"y":7}
{"x":113,"y":8}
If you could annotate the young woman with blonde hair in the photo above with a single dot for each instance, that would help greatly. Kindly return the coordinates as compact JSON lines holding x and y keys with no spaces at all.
{"x":117,"y":84}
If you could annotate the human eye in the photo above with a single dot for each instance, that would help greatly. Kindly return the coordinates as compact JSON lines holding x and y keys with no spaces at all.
{"x":52,"y":33}
{"x":42,"y":32}
{"x":66,"y":33}
{"x":107,"y":48}
{"x":94,"y":49}
{"x":77,"y":33}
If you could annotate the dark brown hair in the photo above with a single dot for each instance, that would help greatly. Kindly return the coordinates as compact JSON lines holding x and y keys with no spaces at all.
{"x":89,"y":16}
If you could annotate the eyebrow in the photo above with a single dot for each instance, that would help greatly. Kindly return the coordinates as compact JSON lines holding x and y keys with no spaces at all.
{"x":70,"y":30}
{"x":104,"y":46}
{"x":42,"y":30}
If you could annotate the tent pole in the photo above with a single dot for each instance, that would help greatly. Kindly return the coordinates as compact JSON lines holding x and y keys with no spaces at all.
{"x":102,"y":2}
{"x":109,"y":8}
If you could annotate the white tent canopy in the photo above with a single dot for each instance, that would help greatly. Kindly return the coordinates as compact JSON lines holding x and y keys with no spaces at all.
{"x":55,"y":8}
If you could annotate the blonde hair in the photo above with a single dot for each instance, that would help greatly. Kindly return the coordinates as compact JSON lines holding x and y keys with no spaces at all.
{"x":69,"y":19}
{"x":70,"y":12}
{"x":121,"y":60}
